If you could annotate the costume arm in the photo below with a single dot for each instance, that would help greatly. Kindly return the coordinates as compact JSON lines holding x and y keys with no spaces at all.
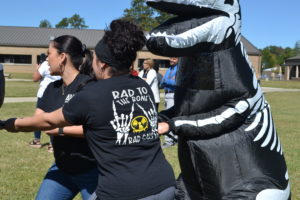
{"x":211,"y":124}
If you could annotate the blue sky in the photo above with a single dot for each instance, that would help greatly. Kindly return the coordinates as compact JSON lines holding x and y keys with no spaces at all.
{"x":264,"y":22}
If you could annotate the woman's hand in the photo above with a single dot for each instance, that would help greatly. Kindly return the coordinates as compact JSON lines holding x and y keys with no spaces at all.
{"x":51,"y":132}
{"x":8,"y":125}
{"x":163,"y":128}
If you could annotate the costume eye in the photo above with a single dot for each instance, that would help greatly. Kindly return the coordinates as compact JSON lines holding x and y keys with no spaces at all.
{"x":229,"y":2}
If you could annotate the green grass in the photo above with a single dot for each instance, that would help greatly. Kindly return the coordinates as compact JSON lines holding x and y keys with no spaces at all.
{"x":22,"y":168}
{"x":21,"y":75}
{"x":21,"y":88}
{"x":285,"y":109}
{"x":281,"y":84}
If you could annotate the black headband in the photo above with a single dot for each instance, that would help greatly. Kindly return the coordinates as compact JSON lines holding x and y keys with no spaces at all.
{"x":104,"y":54}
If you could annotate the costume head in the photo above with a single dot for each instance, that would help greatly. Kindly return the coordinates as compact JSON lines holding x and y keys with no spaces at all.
{"x":201,"y":25}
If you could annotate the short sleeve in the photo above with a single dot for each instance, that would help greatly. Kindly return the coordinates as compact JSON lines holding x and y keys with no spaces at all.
{"x":75,"y":109}
{"x":42,"y":102}
{"x":43,"y":69}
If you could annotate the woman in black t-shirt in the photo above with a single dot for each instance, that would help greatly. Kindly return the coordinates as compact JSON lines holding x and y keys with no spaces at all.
{"x":74,"y":169}
{"x":119,"y":120}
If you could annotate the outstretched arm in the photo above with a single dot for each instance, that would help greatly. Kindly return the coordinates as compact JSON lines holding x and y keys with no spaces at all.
{"x":43,"y":121}
{"x":73,"y":131}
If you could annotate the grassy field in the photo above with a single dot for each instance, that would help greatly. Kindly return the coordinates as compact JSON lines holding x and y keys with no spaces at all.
{"x":16,"y":75}
{"x":22,"y":168}
{"x":21,"y":88}
{"x":281,"y":84}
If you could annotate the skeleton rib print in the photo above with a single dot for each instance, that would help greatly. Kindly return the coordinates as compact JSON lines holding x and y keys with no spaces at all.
{"x":259,"y":108}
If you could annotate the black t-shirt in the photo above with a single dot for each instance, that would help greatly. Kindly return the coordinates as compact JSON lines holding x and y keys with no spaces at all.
{"x":72,"y":154}
{"x":120,"y":124}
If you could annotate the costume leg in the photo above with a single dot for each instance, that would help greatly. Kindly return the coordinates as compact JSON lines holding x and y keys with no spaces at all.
{"x":260,"y":188}
{"x":188,"y":184}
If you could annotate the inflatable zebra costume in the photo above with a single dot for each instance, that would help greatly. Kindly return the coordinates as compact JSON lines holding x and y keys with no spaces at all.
{"x":228,"y":146}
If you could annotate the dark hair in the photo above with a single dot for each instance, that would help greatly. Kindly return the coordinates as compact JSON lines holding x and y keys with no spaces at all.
{"x":124,"y":39}
{"x":43,"y":58}
{"x":80,"y":56}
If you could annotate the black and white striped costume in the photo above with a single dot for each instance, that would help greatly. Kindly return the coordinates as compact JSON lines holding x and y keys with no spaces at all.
{"x":228,"y":146}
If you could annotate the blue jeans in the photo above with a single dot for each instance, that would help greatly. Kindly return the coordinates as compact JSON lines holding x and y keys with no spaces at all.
{"x":58,"y":185}
{"x":166,"y":194}
{"x":37,"y":134}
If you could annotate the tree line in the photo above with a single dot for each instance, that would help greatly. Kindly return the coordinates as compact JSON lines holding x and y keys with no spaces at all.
{"x":274,"y":56}
{"x":72,"y":22}
{"x":148,"y":18}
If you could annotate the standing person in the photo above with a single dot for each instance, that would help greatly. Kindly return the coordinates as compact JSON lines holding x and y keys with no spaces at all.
{"x":150,"y":76}
{"x":74,"y":169}
{"x":169,"y":83}
{"x":119,"y":121}
{"x":158,"y":75}
{"x":42,"y":74}
{"x":2,"y":85}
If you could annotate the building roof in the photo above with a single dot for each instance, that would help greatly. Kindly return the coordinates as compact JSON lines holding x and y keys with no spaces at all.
{"x":251,"y":49}
{"x":40,"y":37}
{"x":292,"y":61}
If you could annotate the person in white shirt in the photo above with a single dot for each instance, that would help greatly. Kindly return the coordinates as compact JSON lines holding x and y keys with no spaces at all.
{"x":150,"y":76}
{"x":42,"y":74}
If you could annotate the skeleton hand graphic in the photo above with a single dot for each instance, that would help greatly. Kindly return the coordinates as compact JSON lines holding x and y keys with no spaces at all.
{"x":152,"y":116}
{"x":121,"y":124}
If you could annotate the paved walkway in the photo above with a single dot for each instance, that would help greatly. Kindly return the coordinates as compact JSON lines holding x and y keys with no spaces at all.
{"x":34,"y":99}
{"x":18,"y":79}
{"x":269,"y":89}
{"x":19,"y":99}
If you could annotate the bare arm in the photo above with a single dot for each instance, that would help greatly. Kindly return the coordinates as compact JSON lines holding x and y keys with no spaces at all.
{"x":36,"y":76}
{"x":74,"y":131}
{"x":43,"y":121}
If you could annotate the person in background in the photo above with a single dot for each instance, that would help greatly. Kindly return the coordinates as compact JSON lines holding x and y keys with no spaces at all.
{"x":159,"y":76}
{"x":119,"y":122}
{"x":2,"y":85}
{"x":150,"y":76}
{"x":169,"y":84}
{"x":42,"y":74}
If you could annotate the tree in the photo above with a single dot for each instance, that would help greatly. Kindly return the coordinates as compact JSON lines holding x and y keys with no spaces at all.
{"x":268,"y":58}
{"x":64,"y":23}
{"x":297,"y":48}
{"x":73,"y":22}
{"x":45,"y":24}
{"x":273,"y":56}
{"x":77,"y":22}
{"x":144,"y":16}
